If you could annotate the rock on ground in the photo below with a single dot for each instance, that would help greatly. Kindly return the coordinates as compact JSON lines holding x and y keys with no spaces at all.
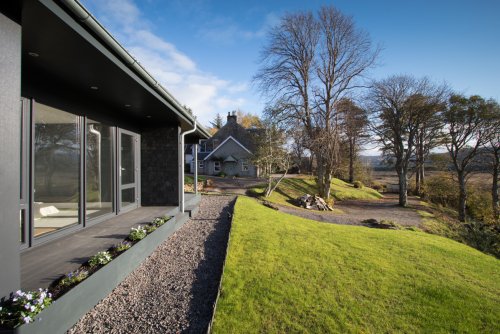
{"x":174,"y":289}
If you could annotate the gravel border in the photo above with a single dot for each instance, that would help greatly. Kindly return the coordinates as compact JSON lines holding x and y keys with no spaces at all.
{"x":174,"y":289}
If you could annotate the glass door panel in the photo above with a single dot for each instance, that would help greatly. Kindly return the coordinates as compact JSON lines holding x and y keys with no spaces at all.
{"x":56,"y":170}
{"x":99,"y":171}
{"x":128,"y":169}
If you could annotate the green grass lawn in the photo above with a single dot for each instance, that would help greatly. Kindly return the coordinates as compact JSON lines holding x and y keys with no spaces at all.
{"x":285,"y":274}
{"x":291,"y":188}
{"x":188,"y":179}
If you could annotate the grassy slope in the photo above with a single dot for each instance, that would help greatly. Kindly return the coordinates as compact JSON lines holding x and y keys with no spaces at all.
{"x":291,"y":188}
{"x":287,"y":274}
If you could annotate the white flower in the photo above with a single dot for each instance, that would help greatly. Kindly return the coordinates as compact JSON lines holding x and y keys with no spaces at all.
{"x":27,"y":306}
{"x":14,"y":299}
{"x":32,"y":308}
{"x":29,"y":296}
{"x":19,"y":293}
{"x":27,"y":319}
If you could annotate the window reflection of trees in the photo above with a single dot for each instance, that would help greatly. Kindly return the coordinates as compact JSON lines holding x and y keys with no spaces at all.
{"x":57,"y":153}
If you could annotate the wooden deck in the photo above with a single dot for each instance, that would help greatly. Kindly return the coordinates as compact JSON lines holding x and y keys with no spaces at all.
{"x":43,"y":264}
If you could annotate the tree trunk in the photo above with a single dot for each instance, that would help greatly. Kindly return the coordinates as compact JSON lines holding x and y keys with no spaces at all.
{"x":351,"y":162}
{"x":403,"y":185}
{"x":327,"y":184}
{"x":417,"y":182}
{"x":494,"y":194}
{"x":320,"y":172}
{"x":462,"y":197}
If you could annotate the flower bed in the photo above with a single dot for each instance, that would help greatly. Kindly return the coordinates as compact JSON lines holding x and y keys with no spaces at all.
{"x":76,"y":292}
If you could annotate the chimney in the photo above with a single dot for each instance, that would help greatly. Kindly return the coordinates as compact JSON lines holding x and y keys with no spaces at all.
{"x":231,"y":118}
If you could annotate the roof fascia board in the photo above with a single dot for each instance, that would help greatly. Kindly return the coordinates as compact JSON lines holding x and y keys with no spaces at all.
{"x":221,"y":144}
{"x":77,"y":27}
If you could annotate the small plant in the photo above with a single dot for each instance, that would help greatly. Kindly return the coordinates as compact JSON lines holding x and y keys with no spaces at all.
{"x":158,"y":221}
{"x":151,"y":228}
{"x":358,"y":184}
{"x":101,"y":258}
{"x":222,"y":174}
{"x":73,"y":278}
{"x":22,"y":307}
{"x":122,"y":246}
{"x":137,"y":233}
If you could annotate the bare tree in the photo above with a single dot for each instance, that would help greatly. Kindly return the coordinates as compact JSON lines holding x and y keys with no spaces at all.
{"x":490,"y":159}
{"x":271,"y":155}
{"x":286,"y":68}
{"x":399,"y":105}
{"x":466,"y":131}
{"x":309,"y":64}
{"x":429,"y":136}
{"x":354,"y":124}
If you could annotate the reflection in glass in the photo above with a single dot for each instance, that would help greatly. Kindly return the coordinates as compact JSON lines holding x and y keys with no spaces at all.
{"x":57,"y":169}
{"x":128,"y":196}
{"x":127,"y":159}
{"x":99,"y":177}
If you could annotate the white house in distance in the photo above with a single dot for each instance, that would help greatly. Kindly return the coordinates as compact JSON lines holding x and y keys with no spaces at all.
{"x":228,"y":152}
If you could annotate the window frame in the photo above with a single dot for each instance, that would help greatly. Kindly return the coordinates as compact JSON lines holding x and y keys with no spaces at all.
{"x":244,"y":165}
{"x":217,"y":166}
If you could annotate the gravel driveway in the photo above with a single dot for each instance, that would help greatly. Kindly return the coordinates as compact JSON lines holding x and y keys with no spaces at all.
{"x":174,"y":289}
{"x":355,"y":211}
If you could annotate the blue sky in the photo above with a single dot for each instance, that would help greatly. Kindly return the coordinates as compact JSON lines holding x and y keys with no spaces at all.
{"x":206,"y":52}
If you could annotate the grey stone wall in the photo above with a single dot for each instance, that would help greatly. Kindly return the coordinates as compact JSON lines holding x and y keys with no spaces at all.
{"x":10,"y":137}
{"x":159,"y":167}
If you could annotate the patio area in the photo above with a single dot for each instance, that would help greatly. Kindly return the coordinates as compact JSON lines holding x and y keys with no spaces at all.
{"x":43,"y":264}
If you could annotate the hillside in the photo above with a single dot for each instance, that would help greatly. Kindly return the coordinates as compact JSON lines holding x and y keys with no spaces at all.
{"x":286,"y":274}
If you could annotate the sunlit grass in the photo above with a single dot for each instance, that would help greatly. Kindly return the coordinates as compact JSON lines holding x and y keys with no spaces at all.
{"x":285,"y":274}
{"x":291,"y":188}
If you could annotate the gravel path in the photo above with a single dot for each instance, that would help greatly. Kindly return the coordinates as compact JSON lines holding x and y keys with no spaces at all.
{"x":355,"y":211}
{"x":174,"y":289}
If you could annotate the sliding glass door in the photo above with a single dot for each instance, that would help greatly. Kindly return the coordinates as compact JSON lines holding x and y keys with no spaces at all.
{"x":56,"y":169}
{"x":99,"y":169}
{"x":75,"y":172}
{"x":128,"y":169}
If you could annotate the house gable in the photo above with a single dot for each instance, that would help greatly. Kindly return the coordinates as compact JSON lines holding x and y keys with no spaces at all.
{"x":230,"y":146}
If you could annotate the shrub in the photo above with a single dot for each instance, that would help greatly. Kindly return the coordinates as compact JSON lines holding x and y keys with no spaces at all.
{"x":22,"y":307}
{"x":358,"y":184}
{"x":484,"y":237}
{"x":378,"y":186}
{"x":441,"y":189}
{"x":101,"y":258}
{"x":122,"y":246}
{"x":222,"y":174}
{"x":137,"y":233}
{"x":479,"y":205}
{"x":73,"y":278}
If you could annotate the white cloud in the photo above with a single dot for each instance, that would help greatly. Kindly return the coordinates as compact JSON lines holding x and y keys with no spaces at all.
{"x":205,"y":93}
{"x":226,"y":31}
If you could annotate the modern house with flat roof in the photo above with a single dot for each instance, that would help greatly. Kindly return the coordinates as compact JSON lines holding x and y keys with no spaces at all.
{"x":88,"y":138}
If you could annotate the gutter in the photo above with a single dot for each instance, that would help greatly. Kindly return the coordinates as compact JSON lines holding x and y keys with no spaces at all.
{"x":85,"y":17}
{"x":181,"y":165}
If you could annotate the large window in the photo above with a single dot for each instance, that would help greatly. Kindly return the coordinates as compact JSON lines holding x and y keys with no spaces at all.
{"x":99,"y":171}
{"x":56,"y":170}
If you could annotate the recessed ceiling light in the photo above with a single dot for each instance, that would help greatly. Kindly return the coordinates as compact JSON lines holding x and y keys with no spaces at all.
{"x":94,"y":87}
{"x":127,"y":106}
{"x":33,"y":54}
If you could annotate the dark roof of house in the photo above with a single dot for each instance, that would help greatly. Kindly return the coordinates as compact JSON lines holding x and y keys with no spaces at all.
{"x":232,"y":128}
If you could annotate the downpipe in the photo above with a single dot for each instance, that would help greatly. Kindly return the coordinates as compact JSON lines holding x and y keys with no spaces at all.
{"x":181,"y":164}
